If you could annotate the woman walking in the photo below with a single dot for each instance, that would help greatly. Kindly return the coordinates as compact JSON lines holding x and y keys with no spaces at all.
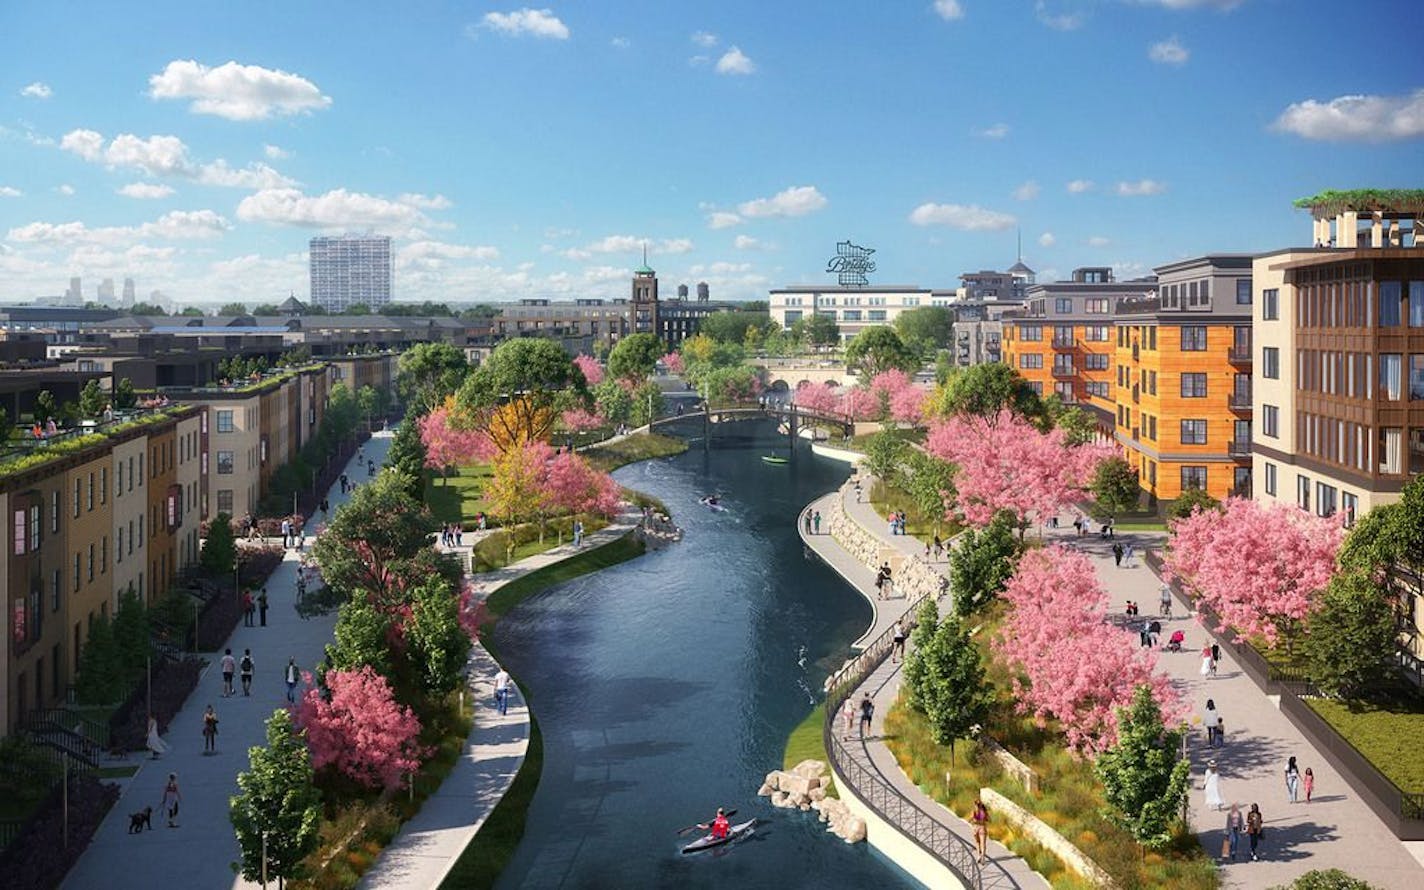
{"x":1212,"y":786}
{"x":1292,"y":781}
{"x":1235,"y":824}
{"x":210,"y":731}
{"x":1206,"y":661}
{"x":980,"y":820}
{"x":848,"y":712}
{"x":1254,"y":826}
{"x":154,"y":743}
{"x":171,"y":798}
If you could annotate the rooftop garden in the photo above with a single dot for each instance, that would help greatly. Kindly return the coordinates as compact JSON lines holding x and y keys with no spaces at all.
{"x":20,"y":455}
{"x":1332,"y":202}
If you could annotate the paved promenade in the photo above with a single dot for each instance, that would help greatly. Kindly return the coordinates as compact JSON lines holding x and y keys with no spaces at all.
{"x":200,"y":852}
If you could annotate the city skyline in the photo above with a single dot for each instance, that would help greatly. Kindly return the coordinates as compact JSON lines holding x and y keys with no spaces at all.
{"x":530,"y":152}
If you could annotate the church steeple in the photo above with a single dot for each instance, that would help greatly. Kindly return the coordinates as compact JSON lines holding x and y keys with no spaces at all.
{"x":644,"y":269}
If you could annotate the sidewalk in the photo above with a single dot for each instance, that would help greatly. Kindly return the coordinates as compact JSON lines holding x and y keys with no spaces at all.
{"x":1002,"y":869}
{"x":1336,"y":830}
{"x":425,"y":849}
{"x":200,"y":852}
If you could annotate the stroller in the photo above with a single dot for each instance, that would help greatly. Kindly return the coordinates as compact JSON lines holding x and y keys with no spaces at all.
{"x":1174,"y":642}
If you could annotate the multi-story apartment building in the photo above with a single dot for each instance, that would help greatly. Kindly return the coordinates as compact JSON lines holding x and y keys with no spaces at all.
{"x":191,"y":479}
{"x":130,"y":518}
{"x":1182,"y":378}
{"x":87,"y":525}
{"x":163,"y":496}
{"x":853,"y":309}
{"x":350,"y":269}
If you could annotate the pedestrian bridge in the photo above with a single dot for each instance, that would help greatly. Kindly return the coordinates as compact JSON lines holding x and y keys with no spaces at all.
{"x":790,"y":414}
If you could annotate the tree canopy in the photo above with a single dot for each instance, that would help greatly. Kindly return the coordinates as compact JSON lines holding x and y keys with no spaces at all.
{"x":635,"y":356}
{"x":516,"y":396}
{"x":986,"y":389}
{"x":817,"y":330}
{"x":428,"y":372}
{"x":925,"y":329}
{"x":1144,"y":776}
{"x":879,"y":349}
{"x":277,"y":809}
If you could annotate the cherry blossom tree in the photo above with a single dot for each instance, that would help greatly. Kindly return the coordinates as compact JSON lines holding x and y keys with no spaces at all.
{"x":673,"y":362}
{"x":897,"y":396}
{"x":449,"y":446}
{"x":1260,"y":568}
{"x":1006,"y":464}
{"x":575,"y":486}
{"x":580,"y":420}
{"x":592,"y":370}
{"x":818,"y":397}
{"x":859,"y":403}
{"x":1079,"y":669}
{"x":362,"y":733}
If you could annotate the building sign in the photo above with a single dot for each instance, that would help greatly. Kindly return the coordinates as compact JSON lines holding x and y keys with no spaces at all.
{"x":851,"y":264}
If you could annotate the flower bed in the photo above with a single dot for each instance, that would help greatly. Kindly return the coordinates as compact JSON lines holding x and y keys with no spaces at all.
{"x":38,"y":859}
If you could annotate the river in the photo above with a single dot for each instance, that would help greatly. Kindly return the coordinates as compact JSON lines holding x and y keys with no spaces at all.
{"x":666,"y":686}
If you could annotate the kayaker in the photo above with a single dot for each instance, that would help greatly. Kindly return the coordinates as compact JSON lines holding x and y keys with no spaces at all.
{"x":719,"y":825}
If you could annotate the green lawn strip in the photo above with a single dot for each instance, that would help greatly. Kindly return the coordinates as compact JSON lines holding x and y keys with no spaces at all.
{"x":857,"y":443}
{"x":807,"y":742}
{"x":117,"y":772}
{"x":1133,"y":526}
{"x":885,"y":497}
{"x":632,"y":449}
{"x":491,"y":552}
{"x":1387,"y":736}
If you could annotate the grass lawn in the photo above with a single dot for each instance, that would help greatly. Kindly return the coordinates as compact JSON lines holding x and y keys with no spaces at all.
{"x":458,"y":498}
{"x":1388,"y":736}
{"x":857,"y":443}
{"x":632,"y":449}
{"x":808,"y":743}
{"x":117,"y":772}
{"x":1128,"y":525}
{"x":885,"y":497}
{"x":491,"y":552}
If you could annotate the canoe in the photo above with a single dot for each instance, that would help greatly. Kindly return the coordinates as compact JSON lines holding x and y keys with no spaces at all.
{"x":707,"y":841}
{"x":714,"y":507}
{"x":773,"y":459}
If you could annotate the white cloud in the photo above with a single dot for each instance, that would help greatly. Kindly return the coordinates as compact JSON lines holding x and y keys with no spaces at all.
{"x":959,"y":216}
{"x":337,"y":209}
{"x":1079,"y":186}
{"x":167,"y":156}
{"x":718,"y":268}
{"x":628,"y":244}
{"x":722,"y":219}
{"x":734,"y":61}
{"x":432,"y":254}
{"x":540,"y":23}
{"x":1058,"y":21}
{"x":747,"y":242}
{"x":1026,"y":192}
{"x":1047,"y":239}
{"x":237,"y":92}
{"x":253,"y":176}
{"x":704,"y":39}
{"x":146,"y":190}
{"x":1356,"y":118}
{"x":949,"y":10}
{"x":176,"y":225}
{"x":36,"y":90}
{"x":1141,"y":187}
{"x":275,"y":152}
{"x":798,"y":200}
{"x":8,"y":191}
{"x":1098,"y":241}
{"x":1169,"y":52}
{"x":997,"y":131}
{"x":186,"y":224}
{"x":65,"y":189}
{"x":620,"y":43}
{"x":426,"y":202}
{"x":602,"y":274}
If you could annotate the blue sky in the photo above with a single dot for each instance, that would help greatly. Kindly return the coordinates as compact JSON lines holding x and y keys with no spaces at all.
{"x":527,"y":151}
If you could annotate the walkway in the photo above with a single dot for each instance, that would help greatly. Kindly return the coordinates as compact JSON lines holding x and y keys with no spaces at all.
{"x":426,"y":848}
{"x":1336,"y":830}
{"x":1003,"y":870}
{"x":200,"y":851}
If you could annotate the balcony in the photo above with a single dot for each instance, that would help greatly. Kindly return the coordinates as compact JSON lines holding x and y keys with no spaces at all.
{"x":1064,"y":342}
{"x":1239,"y":355}
{"x":1238,"y":449}
{"x":1064,"y":371}
{"x":1239,"y":401}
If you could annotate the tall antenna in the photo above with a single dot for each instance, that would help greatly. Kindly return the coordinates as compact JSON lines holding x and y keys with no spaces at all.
{"x":1020,"y":235}
{"x":645,"y":253}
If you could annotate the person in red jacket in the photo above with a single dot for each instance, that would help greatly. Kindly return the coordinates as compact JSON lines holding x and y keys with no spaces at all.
{"x":719,"y":825}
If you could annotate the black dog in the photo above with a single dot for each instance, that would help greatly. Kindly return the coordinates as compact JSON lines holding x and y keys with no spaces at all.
{"x":141,"y":820}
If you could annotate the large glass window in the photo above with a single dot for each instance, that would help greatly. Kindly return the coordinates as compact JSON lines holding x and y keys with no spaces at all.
{"x":225,"y":463}
{"x":1194,"y":385}
{"x":1031,"y":333}
{"x":1194,"y":432}
{"x":1270,"y":304}
{"x":1193,"y":477}
{"x":1391,"y":444}
{"x":1243,"y":292}
{"x":1271,"y":421}
{"x":1193,"y":338}
{"x":1390,"y":376}
{"x":1271,"y":479}
{"x":225,"y":421}
{"x":1271,"y":363}
{"x":1030,"y":361}
{"x":225,"y":501}
{"x":1095,"y":362}
{"x":1390,"y":304}
{"x":1302,"y":493}
{"x":1416,"y":377}
{"x":1325,"y":499}
{"x":1416,"y":304}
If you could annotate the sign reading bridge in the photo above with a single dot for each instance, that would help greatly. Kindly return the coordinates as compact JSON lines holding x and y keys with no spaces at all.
{"x":851,"y":264}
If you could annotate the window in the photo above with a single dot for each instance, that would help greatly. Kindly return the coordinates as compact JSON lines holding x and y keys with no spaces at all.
{"x":1031,"y":333}
{"x":1302,"y":493}
{"x":1152,"y":382}
{"x":1095,"y":362}
{"x":1096,"y":306}
{"x":54,"y":512}
{"x":1271,"y":421}
{"x":140,"y":531}
{"x":1241,"y":482}
{"x":875,"y":315}
{"x":76,"y":571}
{"x":1064,"y":391}
{"x":91,"y":493}
{"x":1097,"y":333}
{"x":224,"y":463}
{"x":1193,"y":477}
{"x":1063,"y":305}
{"x":1324,"y":499}
{"x":1027,"y":361}
{"x":1271,"y":479}
{"x":1390,"y":304}
{"x":1243,"y":292}
{"x":35,"y":527}
{"x":1271,"y":363}
{"x":1416,"y":304}
{"x":225,"y":501}
{"x":1351,"y":503}
{"x":1099,"y":389}
{"x":1391,"y":443}
{"x":76,"y":498}
{"x":1390,"y":365}
{"x":1193,"y":338}
{"x":119,"y":546}
{"x":91,"y":562}
{"x":1194,"y":432}
{"x":21,"y":531}
{"x":1194,"y":385}
{"x":1416,"y":377}
{"x":103,"y":485}
{"x":140,"y":468}
{"x":1270,"y":304}
{"x":131,"y":473}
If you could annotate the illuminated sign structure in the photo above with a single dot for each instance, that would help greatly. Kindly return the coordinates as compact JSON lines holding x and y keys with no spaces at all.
{"x":851,"y":264}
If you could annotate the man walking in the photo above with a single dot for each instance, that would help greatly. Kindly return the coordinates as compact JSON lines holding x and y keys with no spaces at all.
{"x":229,"y":665}
{"x":246,"y":666}
{"x":867,"y":711}
{"x":578,"y":533}
{"x":816,"y":521}
{"x":286,"y":533}
{"x":1166,"y":601}
{"x":501,"y":690}
{"x":262,"y":606}
{"x":806,"y":520}
{"x":1117,"y":555}
{"x":292,"y":675}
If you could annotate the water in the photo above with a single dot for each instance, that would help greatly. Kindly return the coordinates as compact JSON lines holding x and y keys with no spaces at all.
{"x":666,"y":686}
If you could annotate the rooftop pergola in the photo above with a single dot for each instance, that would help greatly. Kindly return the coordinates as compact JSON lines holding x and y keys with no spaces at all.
{"x":1384,"y":209}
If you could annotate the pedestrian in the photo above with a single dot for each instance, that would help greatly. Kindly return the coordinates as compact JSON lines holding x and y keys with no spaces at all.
{"x":1215,"y":657}
{"x":286,"y":533}
{"x":857,"y":489}
{"x":848,"y":715}
{"x":1254,"y":828}
{"x":501,"y":690}
{"x":806,"y":520}
{"x":1117,"y":555}
{"x":816,"y":521}
{"x":229,"y":666}
{"x":1235,"y":824}
{"x":938,"y":547}
{"x":1111,"y":528}
{"x":292,"y":675}
{"x":1292,"y":781}
{"x":262,"y":606}
{"x":1165,"y":600}
{"x":867,"y":710}
{"x":210,"y":731}
{"x":1309,"y":783}
{"x":171,"y":798}
{"x":1078,"y":526}
{"x":1221,"y":732}
{"x":459,"y":535}
{"x":578,"y":533}
{"x":980,"y":819}
{"x":156,"y":745}
{"x":1209,"y":720}
{"x":1127,"y":554}
{"x":325,"y":506}
{"x":897,"y":650}
{"x":889,"y":587}
{"x":482,"y":520}
{"x":248,"y":608}
{"x":1154,"y":632}
{"x":1144,"y":635}
{"x":246,"y":667}
{"x":1211,"y":784}
{"x":880,"y":583}
{"x":1206,"y":661}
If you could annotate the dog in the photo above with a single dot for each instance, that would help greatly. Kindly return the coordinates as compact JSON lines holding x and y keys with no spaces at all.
{"x":141,"y":820}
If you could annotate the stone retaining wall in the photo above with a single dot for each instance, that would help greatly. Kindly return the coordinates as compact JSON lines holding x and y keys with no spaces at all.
{"x":912,"y":577}
{"x":1039,"y":831}
{"x":1011,"y":765}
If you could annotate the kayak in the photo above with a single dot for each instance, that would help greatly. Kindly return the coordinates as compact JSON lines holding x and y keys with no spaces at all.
{"x":714,"y":506}
{"x":707,"y":841}
{"x":773,"y":459}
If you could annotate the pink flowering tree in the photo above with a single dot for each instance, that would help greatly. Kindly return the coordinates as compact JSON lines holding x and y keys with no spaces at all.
{"x":1076,"y":668}
{"x":592,"y":370}
{"x":580,"y":420}
{"x":859,"y":403}
{"x":818,"y":397}
{"x":448,"y":446}
{"x":575,"y":486}
{"x":1007,"y":464}
{"x":674,"y":363}
{"x":362,"y":733}
{"x":892,"y":387}
{"x":1260,"y":568}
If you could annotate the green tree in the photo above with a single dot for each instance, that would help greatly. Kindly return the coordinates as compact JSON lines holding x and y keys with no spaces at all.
{"x":131,"y":635}
{"x":266,"y":309}
{"x":381,"y":526}
{"x":124,"y":395}
{"x":358,"y":309}
{"x":615,"y":404}
{"x":233,"y":309}
{"x":407,"y":456}
{"x":929,"y":482}
{"x":1189,"y":500}
{"x":982,"y":563}
{"x":1078,"y":425}
{"x":635,"y":356}
{"x":531,"y":379}
{"x":341,"y":415}
{"x":883,"y":453}
{"x":953,"y":692}
{"x":92,"y":399}
{"x":984,"y":390}
{"x":1144,"y":778}
{"x":1353,"y":637}
{"x":142,"y":309}
{"x":362,"y":639}
{"x":438,"y":644}
{"x":368,"y":402}
{"x":879,"y":349}
{"x":925,"y":329}
{"x":277,"y":810}
{"x":192,"y":312}
{"x":817,"y":330}
{"x":99,"y":681}
{"x":1115,"y":488}
{"x":219,"y":554}
{"x":647,"y":403}
{"x":45,"y":407}
{"x":916,"y":667}
{"x":428,"y":372}
{"x":732,"y":327}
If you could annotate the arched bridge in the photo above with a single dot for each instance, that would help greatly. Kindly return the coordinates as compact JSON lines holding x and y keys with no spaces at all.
{"x":791,"y":414}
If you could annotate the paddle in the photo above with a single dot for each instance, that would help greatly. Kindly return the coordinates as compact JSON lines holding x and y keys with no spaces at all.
{"x":681,"y":831}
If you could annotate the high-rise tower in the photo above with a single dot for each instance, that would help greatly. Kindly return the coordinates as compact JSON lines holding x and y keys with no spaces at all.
{"x":350,"y":269}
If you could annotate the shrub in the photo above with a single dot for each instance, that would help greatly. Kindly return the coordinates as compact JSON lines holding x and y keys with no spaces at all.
{"x":1326,"y":879}
{"x":36,"y":860}
{"x":173,"y":681}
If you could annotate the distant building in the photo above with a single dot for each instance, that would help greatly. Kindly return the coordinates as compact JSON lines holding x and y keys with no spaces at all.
{"x":128,"y":299}
{"x":350,"y":269}
{"x":75,"y":295}
{"x":106,"y":292}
